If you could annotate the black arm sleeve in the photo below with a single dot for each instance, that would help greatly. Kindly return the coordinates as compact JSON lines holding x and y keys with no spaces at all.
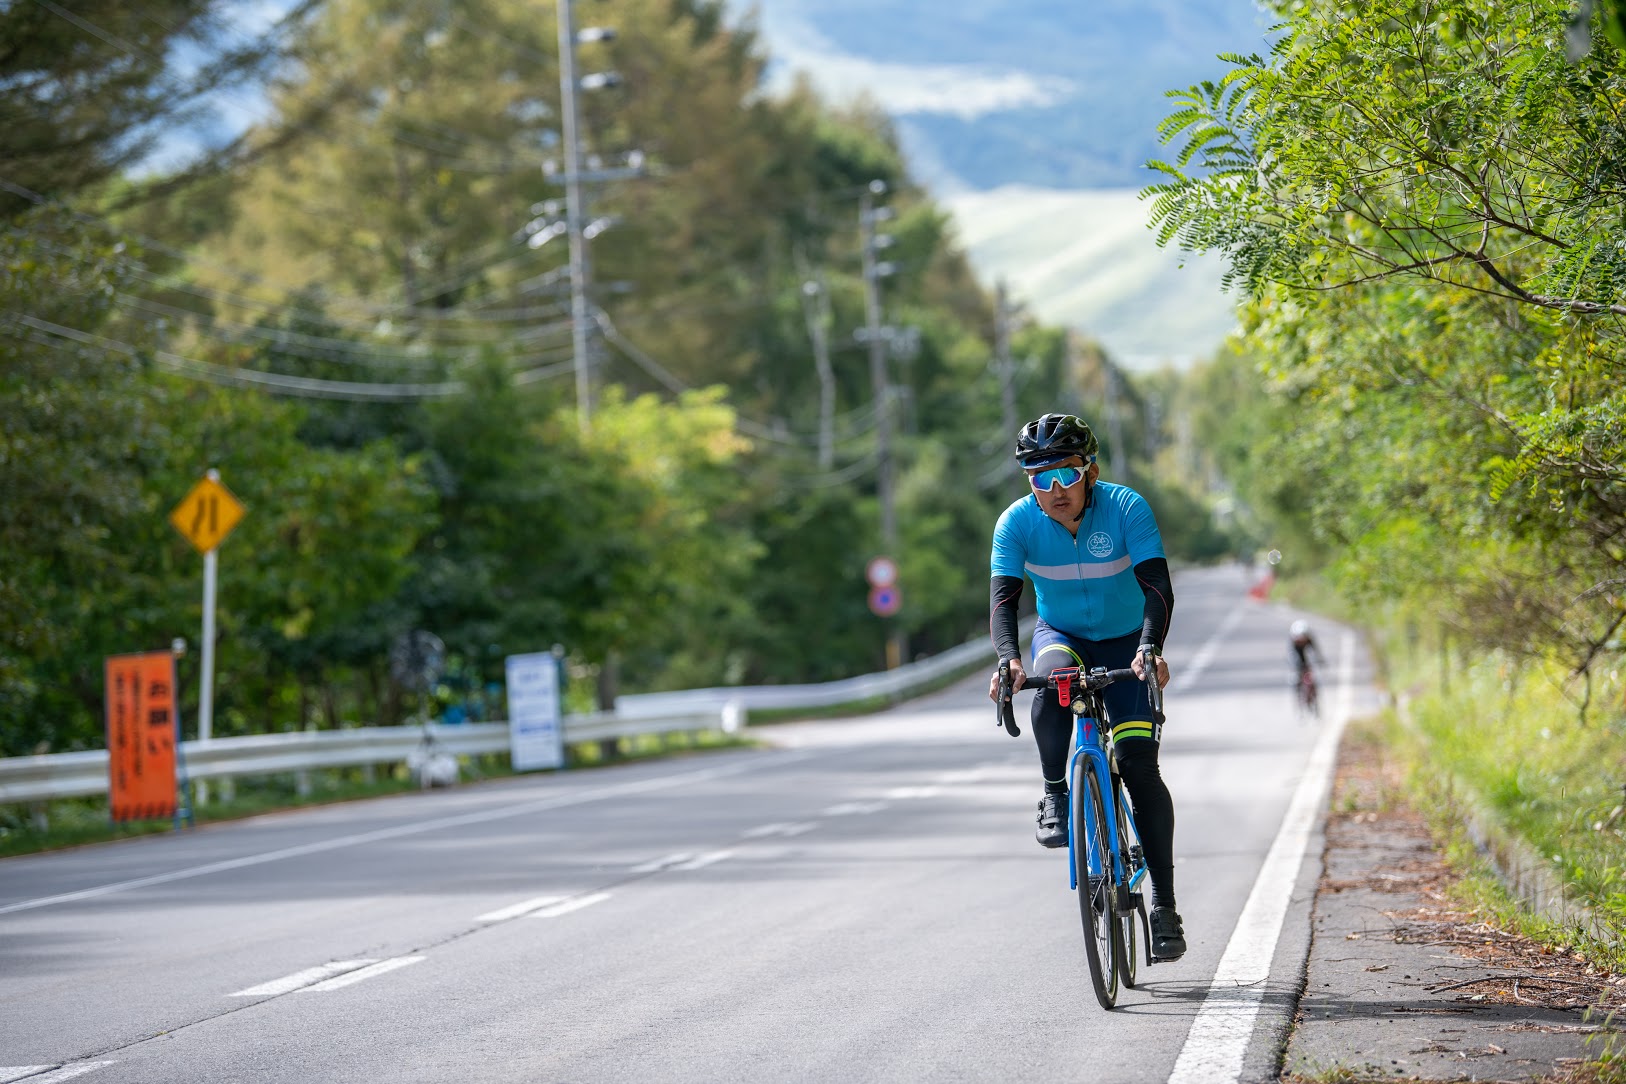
{"x":1153,"y":577}
{"x":1004,"y":592}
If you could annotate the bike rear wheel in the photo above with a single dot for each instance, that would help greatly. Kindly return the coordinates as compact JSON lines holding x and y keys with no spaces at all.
{"x":1095,"y":894}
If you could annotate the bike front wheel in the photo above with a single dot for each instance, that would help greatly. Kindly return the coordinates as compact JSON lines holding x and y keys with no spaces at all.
{"x":1095,"y":891}
{"x":1128,"y":934}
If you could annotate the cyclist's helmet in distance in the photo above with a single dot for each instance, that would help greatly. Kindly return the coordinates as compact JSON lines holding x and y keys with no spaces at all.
{"x":1300,"y":630}
{"x":1053,"y":438}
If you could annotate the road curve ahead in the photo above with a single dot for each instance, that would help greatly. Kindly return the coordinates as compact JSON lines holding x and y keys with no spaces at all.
{"x":860,"y":901}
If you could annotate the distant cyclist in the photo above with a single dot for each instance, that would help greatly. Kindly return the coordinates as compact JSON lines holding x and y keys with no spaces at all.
{"x":1303,"y":649}
{"x":1101,"y":586}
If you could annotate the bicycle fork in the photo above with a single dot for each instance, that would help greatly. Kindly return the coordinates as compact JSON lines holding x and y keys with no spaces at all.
{"x":1095,"y":864}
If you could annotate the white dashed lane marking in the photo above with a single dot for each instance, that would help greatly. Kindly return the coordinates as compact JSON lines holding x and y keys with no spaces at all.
{"x":47,"y":1074}
{"x":655,"y":865}
{"x":301,"y":979}
{"x":564,"y":907}
{"x":324,"y":977}
{"x":380,"y":968}
{"x":503,"y":914}
{"x":700,"y":861}
{"x":901,"y":793}
{"x":783,"y":828}
{"x":850,"y":809}
{"x":1187,"y":675}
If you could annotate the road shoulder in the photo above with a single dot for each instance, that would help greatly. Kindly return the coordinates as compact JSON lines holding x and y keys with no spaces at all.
{"x":1402,"y":982}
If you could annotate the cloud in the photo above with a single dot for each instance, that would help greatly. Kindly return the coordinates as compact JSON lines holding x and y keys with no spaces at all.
{"x":967,"y":91}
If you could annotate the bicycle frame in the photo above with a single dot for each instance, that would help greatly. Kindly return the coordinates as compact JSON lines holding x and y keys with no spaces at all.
{"x":1091,"y":743}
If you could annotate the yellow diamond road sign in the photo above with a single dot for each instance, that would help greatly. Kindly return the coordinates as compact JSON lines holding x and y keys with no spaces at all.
{"x":207,"y":515}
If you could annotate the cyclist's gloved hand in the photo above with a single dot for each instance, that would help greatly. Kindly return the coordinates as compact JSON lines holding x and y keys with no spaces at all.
{"x":1018,"y":675}
{"x":1139,"y":666}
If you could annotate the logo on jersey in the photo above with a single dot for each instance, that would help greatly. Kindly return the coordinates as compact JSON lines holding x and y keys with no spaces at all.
{"x":1099,"y":544}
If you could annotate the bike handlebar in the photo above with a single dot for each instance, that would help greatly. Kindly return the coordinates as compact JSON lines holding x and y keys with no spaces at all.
{"x":1088,"y":680}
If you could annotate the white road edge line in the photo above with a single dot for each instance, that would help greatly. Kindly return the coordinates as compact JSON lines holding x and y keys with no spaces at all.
{"x":503,"y":914}
{"x":568,"y":906}
{"x":1194,"y":669}
{"x":9,"y":1073}
{"x":299,"y":979}
{"x":1219,"y":1036}
{"x":436,"y":824}
{"x":381,"y":967}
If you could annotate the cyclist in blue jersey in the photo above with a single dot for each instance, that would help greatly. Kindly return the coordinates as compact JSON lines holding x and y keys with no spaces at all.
{"x":1102,"y":589}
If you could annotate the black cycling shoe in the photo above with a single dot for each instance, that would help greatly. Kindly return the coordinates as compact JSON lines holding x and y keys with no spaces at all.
{"x":1052,"y":830}
{"x":1168,"y":935}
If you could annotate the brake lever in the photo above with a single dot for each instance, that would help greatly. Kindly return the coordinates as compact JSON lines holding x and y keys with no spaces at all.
{"x":1154,"y":691}
{"x":1004,"y":713}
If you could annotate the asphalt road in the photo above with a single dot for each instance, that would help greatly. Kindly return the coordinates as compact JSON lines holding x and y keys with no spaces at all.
{"x":863,"y":901}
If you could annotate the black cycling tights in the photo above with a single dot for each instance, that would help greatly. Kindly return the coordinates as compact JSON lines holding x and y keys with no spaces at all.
{"x":1137,"y":764}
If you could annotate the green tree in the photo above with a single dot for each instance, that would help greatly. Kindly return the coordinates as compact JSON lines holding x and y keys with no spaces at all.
{"x":1424,"y":199}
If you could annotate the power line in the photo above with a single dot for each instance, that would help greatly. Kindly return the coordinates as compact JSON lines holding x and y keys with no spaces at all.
{"x":409,"y":313}
{"x":279,"y":383}
{"x":307,"y":346}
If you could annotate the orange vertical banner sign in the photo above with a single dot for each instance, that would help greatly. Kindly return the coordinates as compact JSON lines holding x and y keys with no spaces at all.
{"x":141,"y":735}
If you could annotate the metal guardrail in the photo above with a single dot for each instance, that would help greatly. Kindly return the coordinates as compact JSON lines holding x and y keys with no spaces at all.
{"x":69,"y":775}
{"x":892,"y":685}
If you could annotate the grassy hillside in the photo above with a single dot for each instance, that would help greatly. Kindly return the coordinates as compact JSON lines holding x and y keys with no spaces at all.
{"x":1086,"y":259}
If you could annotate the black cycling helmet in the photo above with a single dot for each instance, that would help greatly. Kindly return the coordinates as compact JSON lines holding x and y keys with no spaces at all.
{"x":1052,"y":438}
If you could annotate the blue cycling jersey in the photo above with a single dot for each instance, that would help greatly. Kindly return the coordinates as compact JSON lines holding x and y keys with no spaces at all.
{"x":1083,"y":585}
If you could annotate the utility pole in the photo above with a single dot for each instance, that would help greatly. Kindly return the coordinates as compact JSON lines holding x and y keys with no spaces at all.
{"x":876,"y":337}
{"x":1002,"y":359}
{"x":1115,"y":428}
{"x":816,"y":308}
{"x":575,"y":213}
{"x":577,"y":226}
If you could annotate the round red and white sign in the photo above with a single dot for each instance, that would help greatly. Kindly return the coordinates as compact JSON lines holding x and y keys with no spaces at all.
{"x":881,"y":572}
{"x":885,"y":601}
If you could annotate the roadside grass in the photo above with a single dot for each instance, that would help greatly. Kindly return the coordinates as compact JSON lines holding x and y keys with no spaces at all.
{"x":1551,"y":777}
{"x":1514,"y":733}
{"x":72,"y":822}
{"x":1432,"y":775}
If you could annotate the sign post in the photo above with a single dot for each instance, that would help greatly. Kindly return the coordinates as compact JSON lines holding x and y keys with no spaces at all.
{"x":205,"y":517}
{"x":885,"y":600}
{"x":141,"y":736}
{"x":535,"y":726}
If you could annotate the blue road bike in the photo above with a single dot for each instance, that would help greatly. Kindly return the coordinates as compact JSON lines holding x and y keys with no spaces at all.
{"x":1106,"y":864}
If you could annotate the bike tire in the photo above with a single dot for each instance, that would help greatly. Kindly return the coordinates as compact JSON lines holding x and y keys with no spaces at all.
{"x":1128,"y":958}
{"x":1101,"y":940}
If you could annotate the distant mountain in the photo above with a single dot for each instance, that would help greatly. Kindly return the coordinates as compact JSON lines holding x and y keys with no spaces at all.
{"x":1052,"y":93}
{"x":1032,"y":120}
